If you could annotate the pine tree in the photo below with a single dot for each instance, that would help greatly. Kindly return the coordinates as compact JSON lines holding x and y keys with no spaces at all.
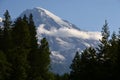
{"x":33,"y":33}
{"x":6,"y":43}
{"x":44,"y":63}
{"x":7,"y":31}
{"x":21,"y":33}
{"x":33,"y":46}
{"x":25,"y":19}
{"x":102,"y":49}
{"x":19,"y":54}
{"x":1,"y":39}
{"x":40,"y":61}
{"x":113,"y":47}
{"x":88,"y":63}
{"x":76,"y":67}
{"x":4,"y":67}
{"x":104,"y":62}
{"x":115,"y":51}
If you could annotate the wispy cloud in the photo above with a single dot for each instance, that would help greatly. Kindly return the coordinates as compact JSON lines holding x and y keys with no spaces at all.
{"x":69,"y":32}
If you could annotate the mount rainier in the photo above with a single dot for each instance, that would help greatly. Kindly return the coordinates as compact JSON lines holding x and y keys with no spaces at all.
{"x":64,"y":38}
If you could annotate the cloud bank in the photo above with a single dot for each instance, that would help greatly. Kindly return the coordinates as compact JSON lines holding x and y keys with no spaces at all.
{"x":69,"y":32}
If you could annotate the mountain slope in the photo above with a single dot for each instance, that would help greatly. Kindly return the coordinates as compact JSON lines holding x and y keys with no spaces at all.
{"x":64,"y":38}
{"x":1,"y":24}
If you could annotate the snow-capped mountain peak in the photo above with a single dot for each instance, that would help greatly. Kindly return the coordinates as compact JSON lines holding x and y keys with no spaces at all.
{"x":41,"y":15}
{"x":64,"y":38}
{"x":54,"y":17}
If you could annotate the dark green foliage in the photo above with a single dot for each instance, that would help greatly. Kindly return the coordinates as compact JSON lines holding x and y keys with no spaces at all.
{"x":75,"y":67}
{"x":103,"y":46}
{"x":1,"y":39}
{"x":7,"y":20}
{"x":33,"y":49}
{"x":100,"y":64}
{"x":4,"y":67}
{"x":7,"y":43}
{"x":105,"y":33}
{"x":21,"y":58}
{"x":33,"y":33}
{"x":5,"y":46}
{"x":62,"y":77}
{"x":83,"y":66}
{"x":19,"y":63}
{"x":44,"y":52}
{"x":21,"y":49}
{"x":40,"y":61}
{"x":21,"y":34}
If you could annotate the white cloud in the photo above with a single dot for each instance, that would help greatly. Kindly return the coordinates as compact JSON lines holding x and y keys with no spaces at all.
{"x":69,"y":32}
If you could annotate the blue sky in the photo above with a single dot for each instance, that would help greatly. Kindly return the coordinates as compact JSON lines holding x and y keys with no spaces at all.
{"x":85,"y":14}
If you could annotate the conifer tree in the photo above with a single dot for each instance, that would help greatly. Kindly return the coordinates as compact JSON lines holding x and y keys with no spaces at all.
{"x":88,"y":63}
{"x":102,"y":49}
{"x":44,"y":62}
{"x":1,"y":39}
{"x":21,"y":49}
{"x":76,"y":67}
{"x":7,"y":31}
{"x":6,"y":43}
{"x":25,"y":19}
{"x":33,"y":46}
{"x":104,"y":62}
{"x":4,"y":67}
{"x":33,"y":33}
{"x":113,"y":48}
{"x":21,"y":33}
{"x":40,"y":61}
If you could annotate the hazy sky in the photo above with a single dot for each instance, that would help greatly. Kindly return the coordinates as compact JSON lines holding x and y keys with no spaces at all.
{"x":86,"y":14}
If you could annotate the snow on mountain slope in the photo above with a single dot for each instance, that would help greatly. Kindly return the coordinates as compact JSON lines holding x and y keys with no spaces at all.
{"x":1,"y":23}
{"x":43,"y":16}
{"x":64,"y":38}
{"x":0,"y":19}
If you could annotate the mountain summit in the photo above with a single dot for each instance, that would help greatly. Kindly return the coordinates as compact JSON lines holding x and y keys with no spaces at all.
{"x":43,"y":16}
{"x":64,"y":38}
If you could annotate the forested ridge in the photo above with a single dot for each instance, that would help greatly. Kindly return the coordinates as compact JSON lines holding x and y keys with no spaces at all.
{"x":22,"y":58}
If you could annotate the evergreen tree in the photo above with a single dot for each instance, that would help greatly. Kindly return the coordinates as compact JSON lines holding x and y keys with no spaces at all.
{"x":113,"y":47}
{"x":7,"y":31}
{"x":6,"y":42}
{"x":115,"y":54}
{"x":40,"y":61}
{"x":21,"y":33}
{"x":19,"y":54}
{"x":25,"y":19}
{"x":104,"y":62}
{"x":33,"y":46}
{"x":44,"y":62}
{"x":1,"y":39}
{"x":88,"y":64}
{"x":33,"y":33}
{"x":76,"y":68}
{"x":102,"y":49}
{"x":4,"y":67}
